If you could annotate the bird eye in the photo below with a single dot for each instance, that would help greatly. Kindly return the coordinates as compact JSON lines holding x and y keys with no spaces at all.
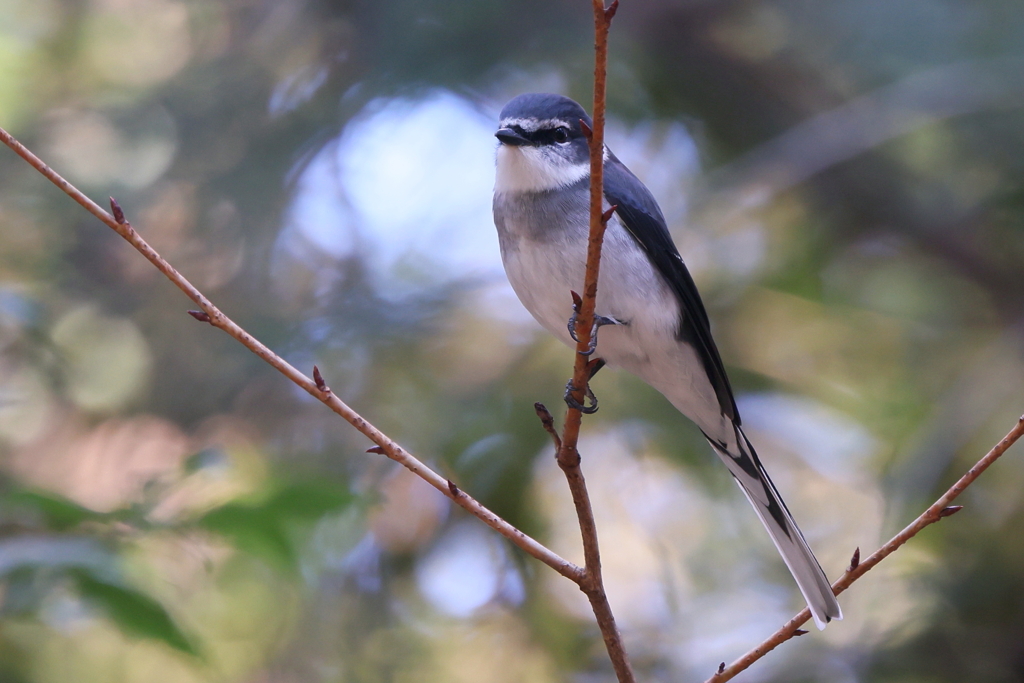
{"x":561,"y":134}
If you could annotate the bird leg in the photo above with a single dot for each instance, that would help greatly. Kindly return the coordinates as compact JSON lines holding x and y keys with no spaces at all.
{"x":599,"y":322}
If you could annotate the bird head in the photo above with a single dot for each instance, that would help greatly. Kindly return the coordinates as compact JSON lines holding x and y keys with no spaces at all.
{"x":541,"y":145}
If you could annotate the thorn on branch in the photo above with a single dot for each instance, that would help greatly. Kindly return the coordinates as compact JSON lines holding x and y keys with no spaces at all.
{"x":609,"y":12}
{"x":577,"y":303}
{"x":607,"y":215}
{"x":376,"y":449}
{"x":588,"y":132}
{"x":318,"y":379}
{"x":950,"y":511}
{"x":454,"y":489}
{"x":201,"y":316}
{"x":799,"y":632}
{"x":721,"y":668}
{"x":119,"y":214}
{"x":549,"y":424}
{"x":855,"y":560}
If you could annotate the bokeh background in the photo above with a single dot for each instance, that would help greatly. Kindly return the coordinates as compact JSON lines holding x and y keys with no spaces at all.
{"x":844,"y":180}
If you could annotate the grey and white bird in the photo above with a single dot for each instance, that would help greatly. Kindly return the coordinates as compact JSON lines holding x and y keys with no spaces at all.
{"x":541,"y":211}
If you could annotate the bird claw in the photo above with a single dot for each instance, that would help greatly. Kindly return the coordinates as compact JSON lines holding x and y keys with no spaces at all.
{"x":599,"y":322}
{"x":570,"y":389}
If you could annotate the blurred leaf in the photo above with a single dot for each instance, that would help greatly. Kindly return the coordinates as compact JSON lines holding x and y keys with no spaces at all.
{"x":134,"y":612}
{"x":253,"y":529}
{"x":309,"y":500}
{"x":59,"y":512}
{"x":261,"y":528}
{"x":32,"y":566}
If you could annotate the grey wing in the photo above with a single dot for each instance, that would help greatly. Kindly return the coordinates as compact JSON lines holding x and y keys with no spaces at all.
{"x":640,"y":215}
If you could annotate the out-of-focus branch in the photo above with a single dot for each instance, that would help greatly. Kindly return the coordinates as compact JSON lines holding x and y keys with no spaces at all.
{"x":591,"y":583}
{"x":857,"y":126}
{"x":315,"y":387}
{"x":938,"y":510}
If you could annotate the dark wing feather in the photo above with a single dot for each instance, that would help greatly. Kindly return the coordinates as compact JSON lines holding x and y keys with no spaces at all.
{"x":642,"y":217}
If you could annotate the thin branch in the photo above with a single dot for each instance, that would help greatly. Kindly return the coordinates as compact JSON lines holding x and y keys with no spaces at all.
{"x":317,"y":389}
{"x":592,"y":583}
{"x":585,"y":314}
{"x":938,"y":510}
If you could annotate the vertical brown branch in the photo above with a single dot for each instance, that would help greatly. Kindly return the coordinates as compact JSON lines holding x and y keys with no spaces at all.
{"x":592,"y":583}
{"x":585,"y":315}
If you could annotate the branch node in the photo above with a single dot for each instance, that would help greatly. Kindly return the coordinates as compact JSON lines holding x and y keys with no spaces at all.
{"x":318,"y":379}
{"x":549,"y":424}
{"x":609,"y":12}
{"x":855,"y":560}
{"x":607,"y":215}
{"x":799,"y":632}
{"x":117,"y":211}
{"x":568,"y":459}
{"x":376,"y":449}
{"x":201,"y":316}
{"x":950,"y":511}
{"x":455,"y":491}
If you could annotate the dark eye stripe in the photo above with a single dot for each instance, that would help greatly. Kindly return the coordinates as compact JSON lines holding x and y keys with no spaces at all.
{"x":548,"y":136}
{"x":543,"y":136}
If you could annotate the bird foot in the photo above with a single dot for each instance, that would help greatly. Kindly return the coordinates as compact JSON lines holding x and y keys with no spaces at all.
{"x":599,"y":322}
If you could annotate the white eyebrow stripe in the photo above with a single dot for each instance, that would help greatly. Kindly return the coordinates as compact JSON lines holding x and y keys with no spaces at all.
{"x":533,"y":125}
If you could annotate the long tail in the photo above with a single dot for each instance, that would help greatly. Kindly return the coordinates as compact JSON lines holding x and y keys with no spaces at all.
{"x":746,"y":468}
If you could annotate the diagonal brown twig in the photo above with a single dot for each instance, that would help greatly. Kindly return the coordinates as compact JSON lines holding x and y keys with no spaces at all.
{"x":936,"y":511}
{"x":315,"y":387}
{"x":589,"y":578}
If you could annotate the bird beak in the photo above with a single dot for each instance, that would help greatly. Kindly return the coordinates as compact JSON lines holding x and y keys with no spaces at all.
{"x":507,"y":136}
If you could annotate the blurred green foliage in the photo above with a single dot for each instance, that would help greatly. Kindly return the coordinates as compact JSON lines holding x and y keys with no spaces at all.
{"x":261,"y":527}
{"x":843,"y":179}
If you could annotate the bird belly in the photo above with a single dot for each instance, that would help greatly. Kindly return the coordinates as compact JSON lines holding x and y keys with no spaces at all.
{"x":543,"y":272}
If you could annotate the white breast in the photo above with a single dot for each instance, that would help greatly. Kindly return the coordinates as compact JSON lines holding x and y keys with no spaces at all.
{"x":544,"y":271}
